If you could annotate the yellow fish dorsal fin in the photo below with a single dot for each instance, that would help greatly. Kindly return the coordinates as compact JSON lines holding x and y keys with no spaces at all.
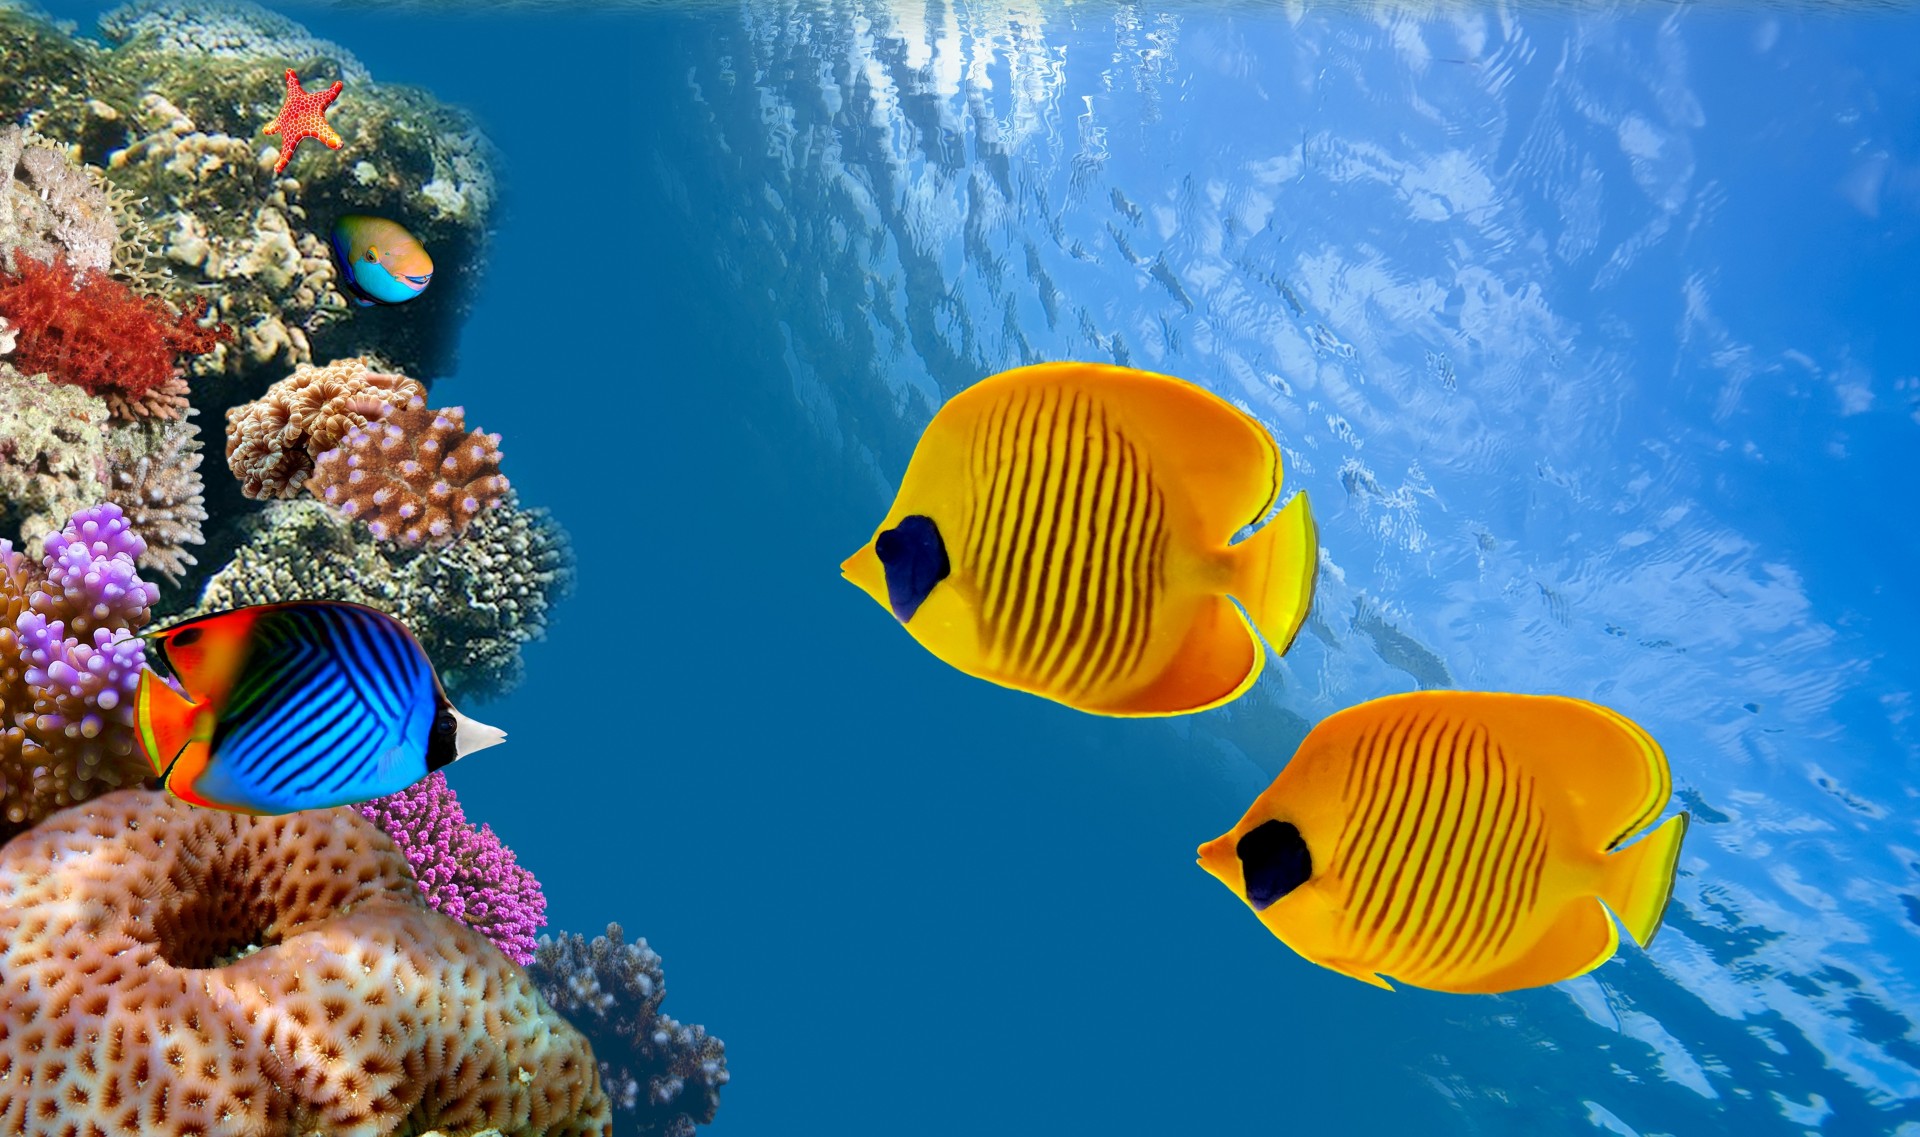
{"x":1224,"y":460}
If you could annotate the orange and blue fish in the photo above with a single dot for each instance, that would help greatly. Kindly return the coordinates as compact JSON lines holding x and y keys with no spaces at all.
{"x":282,"y":707}
{"x":380,"y":262}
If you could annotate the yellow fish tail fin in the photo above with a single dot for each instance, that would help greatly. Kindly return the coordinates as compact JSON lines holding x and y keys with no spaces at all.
{"x":1638,"y":879}
{"x":1274,"y":570}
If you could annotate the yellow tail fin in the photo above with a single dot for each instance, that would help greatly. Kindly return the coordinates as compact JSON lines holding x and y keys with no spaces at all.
{"x":1274,"y":573}
{"x":1639,"y":879}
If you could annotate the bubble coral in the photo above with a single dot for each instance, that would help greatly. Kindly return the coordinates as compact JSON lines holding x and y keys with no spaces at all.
{"x":664,"y":1078}
{"x":464,"y":872}
{"x":170,"y":970}
{"x":273,"y":440}
{"x":68,"y":667}
{"x":94,"y":332}
{"x":416,"y":476}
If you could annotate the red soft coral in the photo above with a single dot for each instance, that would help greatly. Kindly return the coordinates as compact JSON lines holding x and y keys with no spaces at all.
{"x":94,"y":332}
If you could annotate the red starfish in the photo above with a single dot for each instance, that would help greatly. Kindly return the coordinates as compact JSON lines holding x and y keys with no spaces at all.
{"x":303,"y":115}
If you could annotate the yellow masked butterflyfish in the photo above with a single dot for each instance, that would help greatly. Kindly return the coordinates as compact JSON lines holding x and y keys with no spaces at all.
{"x":1065,"y":529}
{"x":1460,"y":841}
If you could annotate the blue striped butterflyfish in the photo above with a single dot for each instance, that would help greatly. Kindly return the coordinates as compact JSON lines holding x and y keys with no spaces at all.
{"x":1067,"y":529}
{"x":379,"y":261}
{"x":283,"y":707}
{"x":1460,"y":841}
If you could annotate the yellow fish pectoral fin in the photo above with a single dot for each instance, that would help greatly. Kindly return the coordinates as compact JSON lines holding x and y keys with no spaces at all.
{"x":1217,"y":661}
{"x":1581,"y":939}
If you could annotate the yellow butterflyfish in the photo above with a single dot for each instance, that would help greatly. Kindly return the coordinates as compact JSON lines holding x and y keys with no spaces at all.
{"x":1066,"y":529}
{"x":1460,"y":841}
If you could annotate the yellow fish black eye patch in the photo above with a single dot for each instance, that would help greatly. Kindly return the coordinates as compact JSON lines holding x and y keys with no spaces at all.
{"x":915,"y":559}
{"x":1273,"y":861}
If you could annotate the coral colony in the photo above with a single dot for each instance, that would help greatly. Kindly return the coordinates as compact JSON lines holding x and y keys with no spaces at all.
{"x":173,"y":970}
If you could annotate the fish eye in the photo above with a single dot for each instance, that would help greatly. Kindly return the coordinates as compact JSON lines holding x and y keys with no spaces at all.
{"x":186,"y":637}
{"x":1274,"y":861}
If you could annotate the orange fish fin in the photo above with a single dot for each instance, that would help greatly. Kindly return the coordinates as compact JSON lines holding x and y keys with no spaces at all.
{"x":1612,"y":773}
{"x":1274,"y":571}
{"x":165,"y":720}
{"x":1582,"y":938}
{"x":1639,"y":879}
{"x":186,"y":769}
{"x":1216,"y":663}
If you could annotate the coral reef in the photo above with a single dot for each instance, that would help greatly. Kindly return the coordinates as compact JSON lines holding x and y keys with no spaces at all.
{"x":464,"y":872}
{"x":68,"y":668}
{"x":53,"y":458}
{"x":51,"y":209}
{"x":171,"y":108}
{"x":94,"y":332}
{"x":663,"y":1078}
{"x":471,"y":605}
{"x":273,"y":440}
{"x":416,"y":475}
{"x":170,"y":970}
{"x":154,"y":476}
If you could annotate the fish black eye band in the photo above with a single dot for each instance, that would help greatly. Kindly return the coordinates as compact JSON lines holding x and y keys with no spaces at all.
{"x":915,"y":559}
{"x":1274,"y":861}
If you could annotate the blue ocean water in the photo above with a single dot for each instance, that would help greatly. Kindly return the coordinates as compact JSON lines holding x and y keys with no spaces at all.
{"x":1591,"y":331}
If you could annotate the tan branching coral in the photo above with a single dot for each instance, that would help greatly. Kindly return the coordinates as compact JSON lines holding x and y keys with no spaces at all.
{"x":52,"y":453}
{"x":169,"y":970}
{"x":417,"y":476}
{"x":272,"y":441}
{"x":154,"y":476}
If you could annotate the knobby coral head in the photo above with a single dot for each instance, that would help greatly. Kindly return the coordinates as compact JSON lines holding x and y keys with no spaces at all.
{"x":417,"y":475}
{"x":94,"y":332}
{"x":69,"y":665}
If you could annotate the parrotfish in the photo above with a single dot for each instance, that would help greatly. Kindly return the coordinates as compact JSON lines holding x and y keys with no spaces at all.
{"x":1460,"y":841}
{"x":1065,"y":529}
{"x":283,"y":707}
{"x":380,"y":262}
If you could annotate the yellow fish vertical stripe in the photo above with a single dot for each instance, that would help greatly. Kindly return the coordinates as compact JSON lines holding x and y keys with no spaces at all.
{"x":1443,"y":848}
{"x":1070,"y":540}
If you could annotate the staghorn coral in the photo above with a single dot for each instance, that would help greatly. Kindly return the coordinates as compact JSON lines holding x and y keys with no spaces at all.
{"x":471,"y":605}
{"x":154,"y":476}
{"x":53,"y":456}
{"x":416,"y":476}
{"x":94,"y":332}
{"x":464,"y":872}
{"x":664,"y":1078}
{"x":51,"y":208}
{"x":68,"y":668}
{"x":170,"y":970}
{"x":273,"y":440}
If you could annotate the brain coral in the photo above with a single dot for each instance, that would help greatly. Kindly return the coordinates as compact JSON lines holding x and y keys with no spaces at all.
{"x":416,"y":476}
{"x":471,"y":604}
{"x":169,"y":970}
{"x":273,"y":440}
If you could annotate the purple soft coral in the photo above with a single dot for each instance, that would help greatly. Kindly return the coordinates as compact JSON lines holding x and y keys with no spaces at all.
{"x":465,"y":872}
{"x":69,"y":667}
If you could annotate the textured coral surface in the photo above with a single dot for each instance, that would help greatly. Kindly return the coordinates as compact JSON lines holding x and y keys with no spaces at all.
{"x":53,"y":457}
{"x":68,"y":669}
{"x":508,"y":572}
{"x":94,"y":332}
{"x":169,"y":970}
{"x":272,"y":441}
{"x":664,"y":1078}
{"x":154,"y":477}
{"x":417,"y":476}
{"x":464,"y":872}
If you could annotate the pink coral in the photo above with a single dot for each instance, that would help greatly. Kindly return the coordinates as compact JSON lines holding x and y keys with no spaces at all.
{"x":168,"y":970}
{"x":416,"y":476}
{"x":273,"y":440}
{"x":464,"y":872}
